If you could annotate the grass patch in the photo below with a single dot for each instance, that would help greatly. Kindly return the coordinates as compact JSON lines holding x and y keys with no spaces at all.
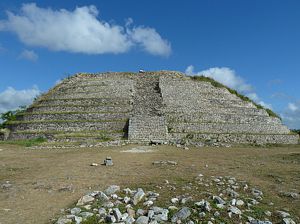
{"x":65,"y":121}
{"x":64,"y":132}
{"x":26,"y":142}
{"x":74,"y":112}
{"x":91,"y":220}
{"x":232,"y":91}
{"x":79,"y":105}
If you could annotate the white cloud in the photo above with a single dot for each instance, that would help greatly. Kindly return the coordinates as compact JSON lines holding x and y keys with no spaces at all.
{"x":28,"y":55}
{"x":292,"y":107}
{"x":253,"y":96}
{"x":223,"y":75}
{"x":11,"y":99}
{"x":291,"y":115}
{"x":79,"y":31}
{"x":150,"y":41}
{"x":229,"y":78}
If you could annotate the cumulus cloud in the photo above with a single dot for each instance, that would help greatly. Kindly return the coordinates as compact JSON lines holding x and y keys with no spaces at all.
{"x":229,"y":78}
{"x":11,"y":99}
{"x":150,"y":41}
{"x":223,"y":75}
{"x":28,"y":55}
{"x":291,"y":115}
{"x":292,"y":107}
{"x":80,"y":31}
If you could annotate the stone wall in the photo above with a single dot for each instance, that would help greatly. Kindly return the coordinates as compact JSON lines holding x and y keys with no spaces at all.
{"x":202,"y":112}
{"x":82,"y":107}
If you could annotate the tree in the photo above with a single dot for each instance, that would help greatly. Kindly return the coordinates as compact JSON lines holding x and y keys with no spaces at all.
{"x":10,"y":116}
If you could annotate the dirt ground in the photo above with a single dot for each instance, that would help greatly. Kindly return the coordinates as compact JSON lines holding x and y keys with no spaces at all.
{"x":45,"y":181}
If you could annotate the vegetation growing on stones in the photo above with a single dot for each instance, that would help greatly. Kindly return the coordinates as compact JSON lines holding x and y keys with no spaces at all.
{"x":245,"y":98}
{"x":25,"y":142}
{"x":296,"y":131}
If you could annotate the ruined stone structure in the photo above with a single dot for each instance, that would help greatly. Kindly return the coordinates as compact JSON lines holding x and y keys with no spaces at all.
{"x":161,"y":107}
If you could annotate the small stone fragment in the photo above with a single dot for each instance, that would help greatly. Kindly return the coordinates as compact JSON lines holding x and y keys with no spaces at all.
{"x":78,"y":219}
{"x":283,"y":214}
{"x":86,"y":214}
{"x":292,"y":195}
{"x":219,"y":200}
{"x":140,"y":212}
{"x":131,"y":212}
{"x":259,"y":222}
{"x":239,"y":202}
{"x":85,"y":199}
{"x":75,"y":211}
{"x":268,"y":213}
{"x":217,"y":214}
{"x":202,"y":214}
{"x":256,"y":193}
{"x":110,"y":219}
{"x":174,"y":200}
{"x":129,"y":220}
{"x":182,"y":214}
{"x":126,"y":199}
{"x":117,"y":214}
{"x":204,"y":205}
{"x":63,"y":221}
{"x":234,"y":210}
{"x":108,"y":204}
{"x":112,"y":189}
{"x":148,"y":203}
{"x":108,"y":161}
{"x":102,"y":212}
{"x":288,"y":221}
{"x":142,"y":220}
{"x":138,"y":196}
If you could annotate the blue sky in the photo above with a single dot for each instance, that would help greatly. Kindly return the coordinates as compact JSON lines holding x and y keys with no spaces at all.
{"x":252,"y":46}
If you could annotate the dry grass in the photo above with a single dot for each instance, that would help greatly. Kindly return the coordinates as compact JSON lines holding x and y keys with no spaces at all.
{"x":45,"y":181}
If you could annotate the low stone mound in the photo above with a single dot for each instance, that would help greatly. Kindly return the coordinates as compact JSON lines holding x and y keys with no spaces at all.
{"x":203,"y":200}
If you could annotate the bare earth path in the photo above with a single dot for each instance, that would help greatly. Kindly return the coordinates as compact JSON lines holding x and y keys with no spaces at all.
{"x":45,"y":181}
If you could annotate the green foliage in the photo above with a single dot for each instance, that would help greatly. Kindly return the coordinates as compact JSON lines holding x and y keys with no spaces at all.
{"x":26,"y":142}
{"x":11,"y":116}
{"x":232,"y":91}
{"x":297,"y":131}
{"x":64,"y":121}
{"x":91,"y":220}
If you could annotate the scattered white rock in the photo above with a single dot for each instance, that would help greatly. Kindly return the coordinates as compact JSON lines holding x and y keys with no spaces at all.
{"x":182,"y":214}
{"x":174,"y":200}
{"x":142,"y":220}
{"x":139,"y":195}
{"x":283,"y":214}
{"x":288,"y":221}
{"x":112,"y":189}
{"x":75,"y":211}
{"x":85,"y":199}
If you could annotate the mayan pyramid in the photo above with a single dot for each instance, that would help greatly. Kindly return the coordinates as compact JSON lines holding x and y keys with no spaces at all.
{"x":160,"y":107}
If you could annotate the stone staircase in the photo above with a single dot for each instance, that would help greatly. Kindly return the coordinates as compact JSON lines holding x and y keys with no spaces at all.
{"x":147,"y":123}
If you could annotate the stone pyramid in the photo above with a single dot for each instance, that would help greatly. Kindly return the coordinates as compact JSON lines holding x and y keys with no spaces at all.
{"x":159,"y":107}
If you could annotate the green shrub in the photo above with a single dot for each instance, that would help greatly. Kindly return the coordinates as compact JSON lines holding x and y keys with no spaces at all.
{"x":232,"y":91}
{"x":297,"y":131}
{"x":11,"y":116}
